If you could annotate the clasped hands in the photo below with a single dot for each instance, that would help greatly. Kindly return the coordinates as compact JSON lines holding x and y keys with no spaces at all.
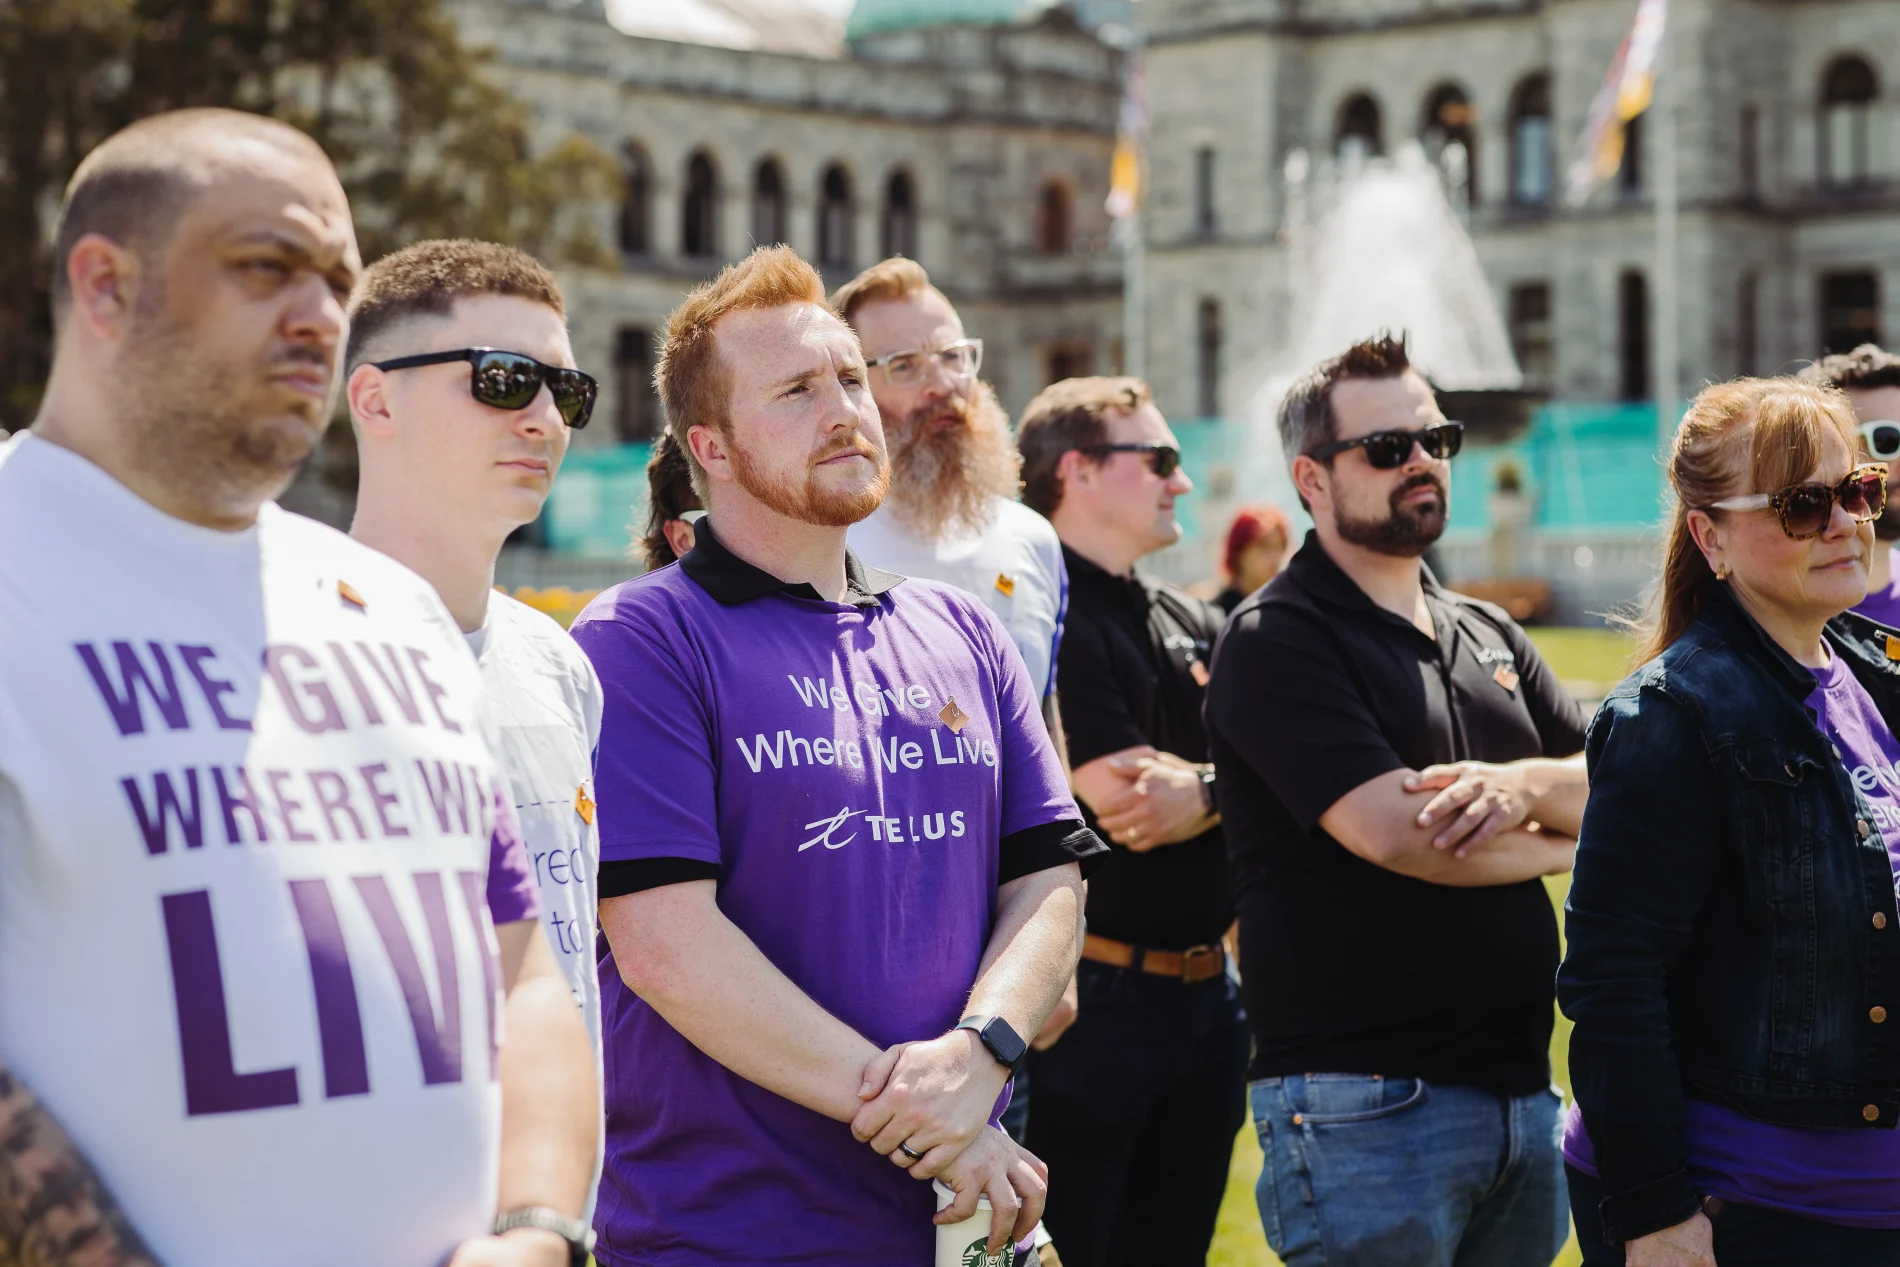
{"x":935,"y":1097}
{"x":1474,"y":802}
{"x":1161,"y":802}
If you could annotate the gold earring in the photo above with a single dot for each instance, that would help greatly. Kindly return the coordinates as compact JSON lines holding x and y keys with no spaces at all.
{"x":1721,"y":574}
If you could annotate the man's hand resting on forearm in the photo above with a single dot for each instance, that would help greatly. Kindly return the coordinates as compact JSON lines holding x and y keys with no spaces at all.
{"x":936,"y":1097}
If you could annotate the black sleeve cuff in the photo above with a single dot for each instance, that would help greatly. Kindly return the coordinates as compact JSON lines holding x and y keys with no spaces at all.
{"x":1046,"y":845}
{"x":1649,"y":1208}
{"x":637,"y":875}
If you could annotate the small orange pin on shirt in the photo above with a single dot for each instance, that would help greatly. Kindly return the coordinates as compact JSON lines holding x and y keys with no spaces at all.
{"x":1893,"y":647}
{"x":1198,"y":671}
{"x":953,"y":717}
{"x":584,"y":805}
{"x":347,"y":592}
{"x":1505,"y":676}
{"x":1005,"y":584}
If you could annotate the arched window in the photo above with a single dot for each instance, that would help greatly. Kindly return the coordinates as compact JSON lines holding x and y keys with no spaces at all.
{"x":1847,"y":97}
{"x":768,"y":204}
{"x":1632,"y":336}
{"x":1055,"y":218}
{"x":1207,"y":359}
{"x":699,"y":209}
{"x":636,"y":204}
{"x":1449,"y":121}
{"x":1530,"y":142}
{"x":1359,"y":132}
{"x":900,"y":215}
{"x":834,"y":219}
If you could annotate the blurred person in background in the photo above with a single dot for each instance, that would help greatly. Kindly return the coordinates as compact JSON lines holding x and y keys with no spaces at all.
{"x":1734,"y":948}
{"x":1384,"y":748}
{"x":1870,"y":376}
{"x":672,"y":506}
{"x":1258,"y":540}
{"x":1137,"y":1104}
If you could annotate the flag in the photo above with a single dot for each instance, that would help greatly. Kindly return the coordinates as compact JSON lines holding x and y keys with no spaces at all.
{"x":1625,"y":93}
{"x":1131,"y":138}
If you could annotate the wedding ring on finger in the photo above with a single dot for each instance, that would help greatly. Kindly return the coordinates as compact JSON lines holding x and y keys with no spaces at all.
{"x":910,"y":1152}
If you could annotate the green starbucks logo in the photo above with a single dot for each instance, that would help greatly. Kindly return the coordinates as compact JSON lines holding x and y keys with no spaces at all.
{"x":973,"y":1255}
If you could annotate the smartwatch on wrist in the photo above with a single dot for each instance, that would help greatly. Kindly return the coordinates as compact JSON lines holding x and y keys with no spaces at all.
{"x":1001,"y":1038}
{"x":579,"y":1236}
{"x":1207,"y":791}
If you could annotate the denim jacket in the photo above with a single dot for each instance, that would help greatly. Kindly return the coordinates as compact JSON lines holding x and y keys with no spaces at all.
{"x":1731,"y":924}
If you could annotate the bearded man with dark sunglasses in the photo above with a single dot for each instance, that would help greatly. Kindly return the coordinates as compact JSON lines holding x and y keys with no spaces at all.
{"x":1135,"y":1106}
{"x":1870,"y":376}
{"x":1397,"y":769}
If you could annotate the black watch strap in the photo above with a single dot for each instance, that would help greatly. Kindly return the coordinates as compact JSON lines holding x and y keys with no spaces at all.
{"x":1001,"y":1038}
{"x":579,"y":1236}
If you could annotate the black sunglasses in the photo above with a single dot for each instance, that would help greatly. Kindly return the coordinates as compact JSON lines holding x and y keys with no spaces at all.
{"x":1386,"y":450}
{"x":511,"y":380}
{"x":1805,"y":510}
{"x":1163,"y":459}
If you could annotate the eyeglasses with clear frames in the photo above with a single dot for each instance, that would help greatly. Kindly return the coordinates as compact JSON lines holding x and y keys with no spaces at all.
{"x":961,"y":359}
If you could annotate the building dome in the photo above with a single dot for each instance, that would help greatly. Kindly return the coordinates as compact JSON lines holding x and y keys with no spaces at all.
{"x":871,"y":17}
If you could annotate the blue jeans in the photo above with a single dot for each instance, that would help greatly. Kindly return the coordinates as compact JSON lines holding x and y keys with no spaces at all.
{"x":1364,"y":1171}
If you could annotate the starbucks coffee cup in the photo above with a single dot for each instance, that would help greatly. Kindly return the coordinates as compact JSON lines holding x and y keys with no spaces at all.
{"x":963,"y":1244}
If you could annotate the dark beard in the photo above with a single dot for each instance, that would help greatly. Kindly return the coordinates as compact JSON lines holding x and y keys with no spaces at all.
{"x":944,"y":477}
{"x":808,"y":503}
{"x":1408,"y":531}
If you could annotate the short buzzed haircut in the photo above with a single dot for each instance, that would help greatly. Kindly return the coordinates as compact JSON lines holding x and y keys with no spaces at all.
{"x":894,"y":278}
{"x":1866,"y":367}
{"x":425,"y":280}
{"x":1071,"y":414}
{"x":1307,"y":419}
{"x":695,"y":386}
{"x":135,"y":185}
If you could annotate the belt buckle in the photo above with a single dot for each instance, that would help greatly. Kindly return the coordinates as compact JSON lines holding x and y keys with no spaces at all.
{"x":1201,"y":963}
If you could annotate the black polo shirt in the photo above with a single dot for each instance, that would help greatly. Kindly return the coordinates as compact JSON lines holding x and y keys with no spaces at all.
{"x":1349,"y":967}
{"x":1133,"y":670}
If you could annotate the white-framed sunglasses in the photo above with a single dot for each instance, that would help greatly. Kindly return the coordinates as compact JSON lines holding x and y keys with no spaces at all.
{"x":691,"y":518}
{"x":1882,"y":438}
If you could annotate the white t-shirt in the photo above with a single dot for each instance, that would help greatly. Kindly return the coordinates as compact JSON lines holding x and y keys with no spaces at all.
{"x":250,"y":842}
{"x":1014,"y":565}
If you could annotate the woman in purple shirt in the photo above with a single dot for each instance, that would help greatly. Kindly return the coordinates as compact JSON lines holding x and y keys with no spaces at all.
{"x":1734,"y":947}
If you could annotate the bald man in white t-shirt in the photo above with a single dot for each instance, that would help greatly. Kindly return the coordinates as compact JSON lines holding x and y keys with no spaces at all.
{"x":265,"y":916}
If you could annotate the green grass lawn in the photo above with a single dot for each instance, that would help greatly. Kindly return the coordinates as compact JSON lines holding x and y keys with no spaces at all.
{"x":1591,"y":659}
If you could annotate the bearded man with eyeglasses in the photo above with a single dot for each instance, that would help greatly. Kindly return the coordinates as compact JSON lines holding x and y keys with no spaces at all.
{"x":1870,"y":376}
{"x":1139,"y":1101}
{"x":1398,"y":770}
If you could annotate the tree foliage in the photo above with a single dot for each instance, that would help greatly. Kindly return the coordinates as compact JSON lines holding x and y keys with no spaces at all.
{"x":427,"y":144}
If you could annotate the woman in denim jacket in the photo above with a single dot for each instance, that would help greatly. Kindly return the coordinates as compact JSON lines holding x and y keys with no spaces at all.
{"x":1734,"y":948}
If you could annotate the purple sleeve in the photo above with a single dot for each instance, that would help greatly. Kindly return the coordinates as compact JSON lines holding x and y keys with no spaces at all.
{"x":512,"y":891}
{"x":654,"y":773}
{"x":1034,"y":790}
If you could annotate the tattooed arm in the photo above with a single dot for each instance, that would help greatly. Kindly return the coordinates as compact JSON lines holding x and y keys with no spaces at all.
{"x":54,"y":1211}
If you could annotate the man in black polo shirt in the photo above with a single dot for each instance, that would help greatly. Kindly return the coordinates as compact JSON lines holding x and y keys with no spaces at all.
{"x":1398,"y":769}
{"x":1138,"y":1103}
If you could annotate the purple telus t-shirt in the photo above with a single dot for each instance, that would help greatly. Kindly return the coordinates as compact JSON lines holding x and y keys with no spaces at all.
{"x":809,"y":750}
{"x":1849,"y":1177}
{"x":1883,"y":605}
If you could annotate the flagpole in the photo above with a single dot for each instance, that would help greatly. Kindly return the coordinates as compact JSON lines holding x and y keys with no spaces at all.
{"x":1667,"y":370}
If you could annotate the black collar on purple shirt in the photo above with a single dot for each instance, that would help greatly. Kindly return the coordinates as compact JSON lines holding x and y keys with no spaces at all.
{"x":731,"y":580}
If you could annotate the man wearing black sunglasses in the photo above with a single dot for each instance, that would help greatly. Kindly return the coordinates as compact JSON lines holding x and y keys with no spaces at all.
{"x":1135,"y":1106}
{"x":462,"y":392}
{"x":1383,"y":746}
{"x":1870,"y":376}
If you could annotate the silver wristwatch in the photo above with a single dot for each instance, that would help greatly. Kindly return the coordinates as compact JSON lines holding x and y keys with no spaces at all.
{"x":579,"y":1236}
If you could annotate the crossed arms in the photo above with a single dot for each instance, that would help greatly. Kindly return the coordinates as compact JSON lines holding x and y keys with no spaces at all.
{"x":706,"y":978}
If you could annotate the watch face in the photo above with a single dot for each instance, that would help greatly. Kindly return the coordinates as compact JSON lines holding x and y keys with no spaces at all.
{"x":1003,"y":1039}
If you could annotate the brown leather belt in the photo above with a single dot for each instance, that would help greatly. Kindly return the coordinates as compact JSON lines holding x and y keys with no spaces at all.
{"x":1191,"y":966}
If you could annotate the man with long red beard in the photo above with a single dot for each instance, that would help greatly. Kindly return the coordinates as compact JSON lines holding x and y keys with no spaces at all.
{"x":831,"y":825}
{"x":952,"y":514}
